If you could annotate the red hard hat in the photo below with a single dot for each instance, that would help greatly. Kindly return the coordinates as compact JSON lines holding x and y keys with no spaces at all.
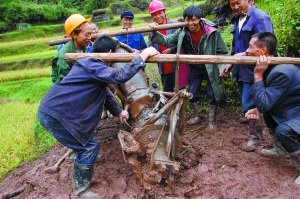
{"x":155,"y":6}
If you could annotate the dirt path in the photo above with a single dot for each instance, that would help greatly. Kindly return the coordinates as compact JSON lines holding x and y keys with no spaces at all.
{"x":213,"y":166}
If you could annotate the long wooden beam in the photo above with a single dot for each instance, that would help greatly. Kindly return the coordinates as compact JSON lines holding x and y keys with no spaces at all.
{"x":189,"y":59}
{"x":124,"y":32}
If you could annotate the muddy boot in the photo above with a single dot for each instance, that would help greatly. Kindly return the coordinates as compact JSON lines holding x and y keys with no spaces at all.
{"x":81,"y":179}
{"x":255,"y":129}
{"x":295,"y":156}
{"x":212,"y":117}
{"x":197,"y":108}
{"x":277,"y":147}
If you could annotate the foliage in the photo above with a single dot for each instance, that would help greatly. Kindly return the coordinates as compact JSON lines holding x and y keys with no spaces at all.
{"x":18,"y":12}
{"x":91,"y":5}
{"x":285,"y":15}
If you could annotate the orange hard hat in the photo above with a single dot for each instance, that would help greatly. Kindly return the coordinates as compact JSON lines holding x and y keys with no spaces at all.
{"x":73,"y":22}
{"x":155,"y":6}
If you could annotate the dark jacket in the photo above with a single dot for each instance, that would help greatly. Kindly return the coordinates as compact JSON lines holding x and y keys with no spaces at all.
{"x":77,"y":101}
{"x":60,"y":68}
{"x":256,"y":21}
{"x":279,"y":95}
{"x":157,"y":47}
{"x":212,"y":44}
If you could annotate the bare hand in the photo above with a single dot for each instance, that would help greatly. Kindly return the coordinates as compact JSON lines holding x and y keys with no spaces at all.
{"x":262,"y":64}
{"x":252,"y":114}
{"x":123,"y":114}
{"x":136,"y":50}
{"x":148,"y":52}
{"x":167,"y":51}
{"x":153,"y":25}
{"x":226,"y":70}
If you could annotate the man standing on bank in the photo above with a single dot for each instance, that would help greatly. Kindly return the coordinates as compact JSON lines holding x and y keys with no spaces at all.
{"x":248,"y":21}
{"x":199,"y":37}
{"x":166,"y":70}
{"x":136,"y":41}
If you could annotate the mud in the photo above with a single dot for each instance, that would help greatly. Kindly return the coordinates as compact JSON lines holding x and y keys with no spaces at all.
{"x":213,"y":165}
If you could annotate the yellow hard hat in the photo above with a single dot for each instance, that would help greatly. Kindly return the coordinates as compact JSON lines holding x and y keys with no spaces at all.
{"x":73,"y":22}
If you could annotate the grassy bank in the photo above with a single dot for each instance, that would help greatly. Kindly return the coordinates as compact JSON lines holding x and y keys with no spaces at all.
{"x":22,"y":137}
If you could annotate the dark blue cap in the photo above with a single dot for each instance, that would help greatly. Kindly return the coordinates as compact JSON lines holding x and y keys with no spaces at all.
{"x":127,"y":14}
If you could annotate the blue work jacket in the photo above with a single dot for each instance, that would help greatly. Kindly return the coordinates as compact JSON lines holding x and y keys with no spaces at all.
{"x":279,"y":95}
{"x":135,"y":41}
{"x":78,"y":100}
{"x":256,"y":21}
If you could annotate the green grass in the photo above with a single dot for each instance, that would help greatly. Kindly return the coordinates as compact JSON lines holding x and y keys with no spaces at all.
{"x":18,"y":143}
{"x":24,"y":74}
{"x":22,"y":137}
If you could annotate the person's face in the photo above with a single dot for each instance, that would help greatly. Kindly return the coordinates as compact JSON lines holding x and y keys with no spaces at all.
{"x":83,"y":39}
{"x":240,"y":6}
{"x":127,"y":22}
{"x":193,"y":23}
{"x":159,"y":17}
{"x":94,"y":28}
{"x":254,"y":50}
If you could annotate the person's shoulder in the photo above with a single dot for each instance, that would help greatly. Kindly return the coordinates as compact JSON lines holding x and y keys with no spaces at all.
{"x":289,"y":69}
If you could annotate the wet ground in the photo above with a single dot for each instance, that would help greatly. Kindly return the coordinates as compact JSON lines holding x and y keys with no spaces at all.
{"x":213,"y":165}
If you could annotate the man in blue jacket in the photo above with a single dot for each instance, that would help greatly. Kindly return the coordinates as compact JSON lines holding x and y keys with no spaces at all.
{"x":136,"y":41}
{"x":276,"y":93}
{"x":72,"y":108}
{"x":247,"y":21}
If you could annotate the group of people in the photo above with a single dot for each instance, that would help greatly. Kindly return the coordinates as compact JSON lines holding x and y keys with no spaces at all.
{"x":72,"y":108}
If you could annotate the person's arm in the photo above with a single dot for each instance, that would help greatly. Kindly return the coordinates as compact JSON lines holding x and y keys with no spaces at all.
{"x":113,"y":107}
{"x":111,"y":104}
{"x":166,"y":40}
{"x":108,"y":75}
{"x":63,"y":68}
{"x":266,"y":96}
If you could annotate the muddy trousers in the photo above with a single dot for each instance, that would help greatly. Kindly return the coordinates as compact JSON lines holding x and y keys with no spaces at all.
{"x":84,"y":154}
{"x":283,"y":134}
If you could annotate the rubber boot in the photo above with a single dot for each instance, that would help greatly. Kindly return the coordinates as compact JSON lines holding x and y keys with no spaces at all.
{"x":295,"y":156}
{"x":255,"y":130}
{"x":81,"y":179}
{"x":197,"y":108}
{"x":277,"y":147}
{"x":212,"y":117}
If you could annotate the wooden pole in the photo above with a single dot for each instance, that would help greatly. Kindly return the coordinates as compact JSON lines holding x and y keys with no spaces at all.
{"x":125,"y":32}
{"x":189,"y":59}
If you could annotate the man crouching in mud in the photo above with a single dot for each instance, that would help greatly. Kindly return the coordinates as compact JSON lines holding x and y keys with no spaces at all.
{"x":276,"y":93}
{"x":72,"y":108}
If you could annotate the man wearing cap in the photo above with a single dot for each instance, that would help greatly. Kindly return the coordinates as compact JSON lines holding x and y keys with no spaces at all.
{"x":166,"y":70}
{"x":135,"y":41}
{"x":77,"y":27}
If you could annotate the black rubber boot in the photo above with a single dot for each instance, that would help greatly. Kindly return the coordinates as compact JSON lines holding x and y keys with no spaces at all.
{"x":212,"y":117}
{"x":82,"y":176}
{"x":277,"y":147}
{"x":255,"y":130}
{"x":197,"y":108}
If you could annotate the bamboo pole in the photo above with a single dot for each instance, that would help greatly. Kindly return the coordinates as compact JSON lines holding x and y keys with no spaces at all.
{"x":125,"y":32}
{"x":189,"y":59}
